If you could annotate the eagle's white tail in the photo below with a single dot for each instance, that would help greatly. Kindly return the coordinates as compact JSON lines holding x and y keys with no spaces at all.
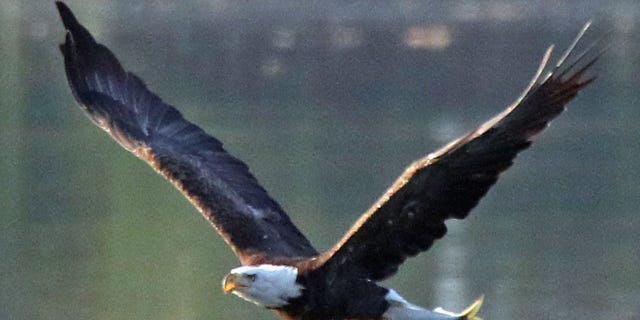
{"x":400,"y":309}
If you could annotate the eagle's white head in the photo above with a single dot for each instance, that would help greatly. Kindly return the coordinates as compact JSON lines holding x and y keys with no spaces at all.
{"x":266,"y":285}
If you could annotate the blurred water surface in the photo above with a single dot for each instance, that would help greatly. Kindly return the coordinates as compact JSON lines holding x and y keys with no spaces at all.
{"x":327,"y":102}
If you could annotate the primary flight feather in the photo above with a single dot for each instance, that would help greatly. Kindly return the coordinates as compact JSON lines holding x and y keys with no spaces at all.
{"x":281,"y":269}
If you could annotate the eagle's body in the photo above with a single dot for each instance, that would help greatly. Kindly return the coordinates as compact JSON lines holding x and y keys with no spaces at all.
{"x":326,"y":298}
{"x":301,"y":292}
{"x":281,"y":269}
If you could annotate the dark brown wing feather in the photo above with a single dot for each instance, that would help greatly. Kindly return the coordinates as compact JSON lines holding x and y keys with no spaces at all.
{"x":448,"y":183}
{"x":218,"y":184}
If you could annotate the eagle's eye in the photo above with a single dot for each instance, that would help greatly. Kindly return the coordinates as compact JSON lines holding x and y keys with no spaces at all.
{"x":251,"y":277}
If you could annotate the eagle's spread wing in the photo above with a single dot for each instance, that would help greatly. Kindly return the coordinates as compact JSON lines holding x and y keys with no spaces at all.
{"x":218,"y":184}
{"x":448,"y":183}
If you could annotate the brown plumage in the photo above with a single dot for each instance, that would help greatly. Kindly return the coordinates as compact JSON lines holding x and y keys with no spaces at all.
{"x":405,"y":221}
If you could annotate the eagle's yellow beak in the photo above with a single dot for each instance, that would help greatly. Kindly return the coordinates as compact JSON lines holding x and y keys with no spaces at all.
{"x":234,"y":281}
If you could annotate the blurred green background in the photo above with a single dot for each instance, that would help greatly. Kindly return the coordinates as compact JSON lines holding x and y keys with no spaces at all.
{"x":327,"y":102}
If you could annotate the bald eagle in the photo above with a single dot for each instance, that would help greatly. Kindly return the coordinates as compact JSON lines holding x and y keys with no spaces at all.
{"x":280,"y":268}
